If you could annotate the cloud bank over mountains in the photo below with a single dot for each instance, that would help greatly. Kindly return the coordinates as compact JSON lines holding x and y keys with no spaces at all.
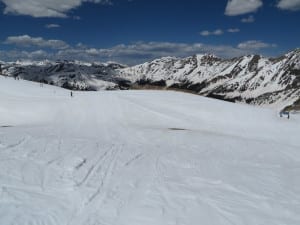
{"x":129,"y":54}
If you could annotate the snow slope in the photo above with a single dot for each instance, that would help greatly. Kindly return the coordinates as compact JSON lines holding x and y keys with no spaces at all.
{"x":143,"y":158}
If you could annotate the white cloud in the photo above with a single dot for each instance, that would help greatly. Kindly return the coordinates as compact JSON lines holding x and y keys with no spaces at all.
{"x":27,"y":41}
{"x":208,"y":33}
{"x":137,"y":52}
{"x":24,"y":55}
{"x":52,"y":25}
{"x":141,"y":52}
{"x":249,"y":19}
{"x":39,"y":54}
{"x":205,"y":33}
{"x":240,"y":7}
{"x":233,"y":30}
{"x":255,"y":45}
{"x":292,"y":5}
{"x":145,"y":51}
{"x":218,"y":32}
{"x":44,"y":8}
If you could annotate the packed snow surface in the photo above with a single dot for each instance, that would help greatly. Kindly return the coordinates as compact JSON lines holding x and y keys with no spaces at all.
{"x":143,"y":158}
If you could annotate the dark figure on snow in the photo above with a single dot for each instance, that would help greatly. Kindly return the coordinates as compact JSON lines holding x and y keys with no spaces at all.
{"x":284,"y":113}
{"x":71,"y":94}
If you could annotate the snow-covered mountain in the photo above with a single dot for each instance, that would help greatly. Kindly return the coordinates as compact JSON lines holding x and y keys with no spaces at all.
{"x":252,"y":79}
{"x":74,"y":75}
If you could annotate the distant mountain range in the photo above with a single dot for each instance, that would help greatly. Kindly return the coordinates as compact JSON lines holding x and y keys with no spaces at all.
{"x":251,"y":79}
{"x":73,"y":75}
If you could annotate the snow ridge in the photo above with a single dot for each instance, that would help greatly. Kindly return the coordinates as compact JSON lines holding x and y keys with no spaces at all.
{"x":251,"y":79}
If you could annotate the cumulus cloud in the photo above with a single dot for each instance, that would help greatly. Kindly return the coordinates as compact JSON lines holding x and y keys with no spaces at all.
{"x":255,"y":45}
{"x":233,"y":30}
{"x":14,"y":55}
{"x":52,"y":25}
{"x":44,"y":8}
{"x":145,"y":51}
{"x":218,"y":32}
{"x":28,"y":41}
{"x":292,"y":5}
{"x":249,"y":19}
{"x":136,"y":53}
{"x":240,"y":7}
{"x":209,"y":33}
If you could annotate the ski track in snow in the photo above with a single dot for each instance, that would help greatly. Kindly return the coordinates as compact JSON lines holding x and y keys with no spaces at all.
{"x":143,"y":158}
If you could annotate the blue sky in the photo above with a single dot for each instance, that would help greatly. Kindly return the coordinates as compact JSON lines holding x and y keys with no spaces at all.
{"x":135,"y":31}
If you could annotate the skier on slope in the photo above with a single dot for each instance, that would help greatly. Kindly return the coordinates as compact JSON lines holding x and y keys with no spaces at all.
{"x":285,"y":113}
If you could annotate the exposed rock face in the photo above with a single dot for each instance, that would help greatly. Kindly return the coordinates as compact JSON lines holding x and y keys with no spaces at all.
{"x":251,"y":79}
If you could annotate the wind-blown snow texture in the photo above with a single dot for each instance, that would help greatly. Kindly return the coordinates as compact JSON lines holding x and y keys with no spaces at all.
{"x":143,"y":158}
